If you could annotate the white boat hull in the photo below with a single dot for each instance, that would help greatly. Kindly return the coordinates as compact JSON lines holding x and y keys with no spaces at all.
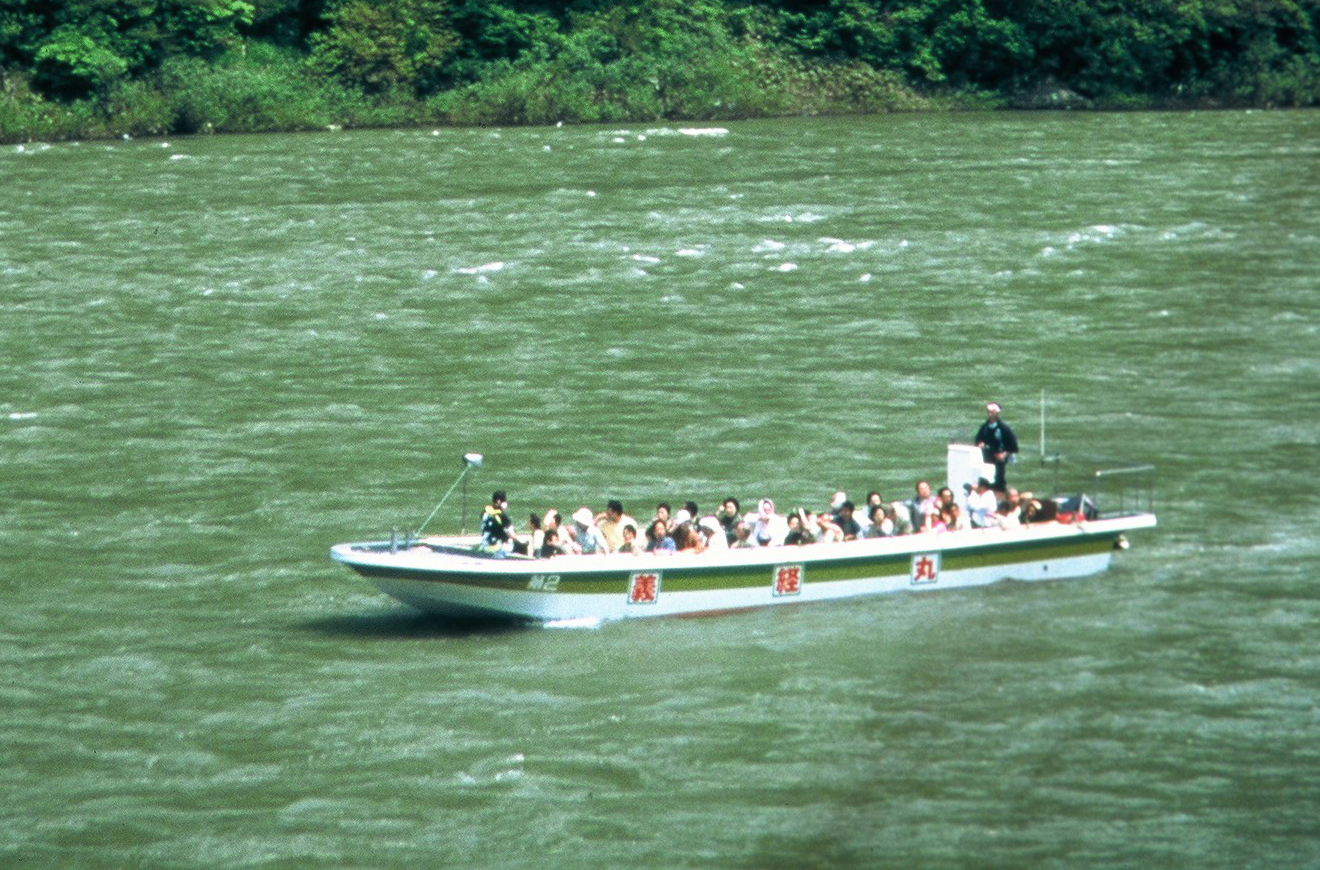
{"x":448,"y":582}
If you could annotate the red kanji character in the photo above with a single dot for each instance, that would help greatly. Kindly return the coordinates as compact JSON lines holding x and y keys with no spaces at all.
{"x":788,"y":580}
{"x":644,"y":589}
{"x":923,"y":569}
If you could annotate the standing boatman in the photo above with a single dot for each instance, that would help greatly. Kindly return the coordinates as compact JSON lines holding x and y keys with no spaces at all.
{"x":998,"y":444}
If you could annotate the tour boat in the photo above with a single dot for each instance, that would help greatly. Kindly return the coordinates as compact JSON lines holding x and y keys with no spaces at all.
{"x":450,"y":577}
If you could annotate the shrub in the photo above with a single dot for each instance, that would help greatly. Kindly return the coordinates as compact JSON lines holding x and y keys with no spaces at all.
{"x":138,"y":109}
{"x":242,"y":95}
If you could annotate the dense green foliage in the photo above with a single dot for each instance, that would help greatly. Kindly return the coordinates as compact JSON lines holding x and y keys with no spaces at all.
{"x":111,"y":67}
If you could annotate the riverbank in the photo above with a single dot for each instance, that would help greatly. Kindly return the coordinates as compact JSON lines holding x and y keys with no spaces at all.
{"x":273,"y":92}
{"x":267,"y":89}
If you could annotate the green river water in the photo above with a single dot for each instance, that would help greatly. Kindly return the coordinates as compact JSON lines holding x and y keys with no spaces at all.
{"x":220,"y":356}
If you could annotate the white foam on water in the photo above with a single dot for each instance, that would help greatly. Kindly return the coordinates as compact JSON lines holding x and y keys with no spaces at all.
{"x":645,"y":258}
{"x":23,"y":415}
{"x":767,"y":245}
{"x":703,"y":131}
{"x":787,"y":267}
{"x":688,"y":252}
{"x":483,"y":269}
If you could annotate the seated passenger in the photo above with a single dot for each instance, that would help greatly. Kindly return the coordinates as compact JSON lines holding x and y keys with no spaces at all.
{"x":630,"y":543}
{"x":822,"y":528}
{"x":554,"y":521}
{"x":902,"y":518}
{"x":537,"y":537}
{"x":920,"y":506}
{"x":1030,"y":508}
{"x":742,"y":537}
{"x":589,"y":539}
{"x":1038,"y":511}
{"x":882,"y":522}
{"x":946,"y":518}
{"x":797,"y":531}
{"x":611,"y":524}
{"x":712,"y":533}
{"x":1014,"y":500}
{"x":729,"y":514}
{"x":550,"y":545}
{"x":947,"y":513}
{"x":847,"y":523}
{"x":657,"y":538}
{"x":982,"y":504}
{"x":686,"y":539}
{"x":768,"y":527}
{"x":1006,"y":516}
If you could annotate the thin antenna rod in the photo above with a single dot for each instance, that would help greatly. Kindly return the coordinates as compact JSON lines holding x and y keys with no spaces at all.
{"x":1042,"y":424}
{"x":445,"y":497}
{"x":470,"y":460}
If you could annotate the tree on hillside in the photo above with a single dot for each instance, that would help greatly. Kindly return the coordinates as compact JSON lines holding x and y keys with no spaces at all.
{"x":82,"y":47}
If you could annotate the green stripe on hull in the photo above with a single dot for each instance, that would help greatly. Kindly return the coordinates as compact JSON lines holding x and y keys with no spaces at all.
{"x":1040,"y":551}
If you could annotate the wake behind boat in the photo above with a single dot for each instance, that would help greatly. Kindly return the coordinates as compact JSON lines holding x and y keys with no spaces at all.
{"x":452,"y":577}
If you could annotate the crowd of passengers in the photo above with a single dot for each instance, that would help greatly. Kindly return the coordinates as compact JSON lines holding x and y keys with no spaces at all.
{"x":688,"y":531}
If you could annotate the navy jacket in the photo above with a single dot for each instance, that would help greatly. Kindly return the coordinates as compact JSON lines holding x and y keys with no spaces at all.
{"x":997,"y":438}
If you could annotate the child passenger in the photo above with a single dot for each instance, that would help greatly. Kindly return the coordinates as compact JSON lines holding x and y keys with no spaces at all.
{"x":550,"y":545}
